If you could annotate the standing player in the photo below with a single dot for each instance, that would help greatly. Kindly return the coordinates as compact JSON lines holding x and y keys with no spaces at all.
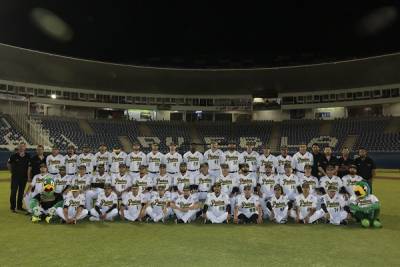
{"x":204,"y":182}
{"x":121,"y":182}
{"x":86,"y":158}
{"x":233,"y":158}
{"x":154,"y":159}
{"x":283,"y":159}
{"x":185,"y":207}
{"x":74,"y":207}
{"x":54,"y":161}
{"x":229,"y":185}
{"x":158,"y":206}
{"x":267,"y":158}
{"x":267,"y":181}
{"x":300,"y":159}
{"x":351,"y":179}
{"x":134,"y":160}
{"x":117,"y":158}
{"x":330,"y":179}
{"x":247,"y":209}
{"x":251,"y":158}
{"x":132,"y":206}
{"x":193,"y":159}
{"x":82,"y":180}
{"x":214,"y":157}
{"x":102,"y":157}
{"x":183,"y":179}
{"x":333,"y":208}
{"x":310,"y":179}
{"x":217,"y":206}
{"x":289,"y":183}
{"x":71,"y":165}
{"x":278,"y":206}
{"x":163,"y":178}
{"x":172,"y":160}
{"x":305,"y":206}
{"x":106,"y":205}
{"x":97,"y":185}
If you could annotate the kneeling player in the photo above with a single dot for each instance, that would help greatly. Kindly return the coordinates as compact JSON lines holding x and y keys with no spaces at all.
{"x":132,"y":206}
{"x":185,"y":206}
{"x":305,"y":206}
{"x":74,"y":207}
{"x":106,"y":205}
{"x":248,"y":209}
{"x":333,"y":207}
{"x":278,"y":206}
{"x":158,"y":206}
{"x":217,"y":207}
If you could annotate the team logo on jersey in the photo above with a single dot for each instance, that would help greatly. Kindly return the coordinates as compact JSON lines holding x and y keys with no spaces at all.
{"x":120,"y":181}
{"x":217,"y":203}
{"x":305,"y":203}
{"x":134,"y":202}
{"x":86,"y":160}
{"x":105,"y":202}
{"x":74,"y":203}
{"x":332,"y":204}
{"x":278,"y":204}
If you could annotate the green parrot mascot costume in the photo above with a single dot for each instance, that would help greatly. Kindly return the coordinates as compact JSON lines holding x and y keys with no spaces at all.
{"x":364,"y":206}
{"x":44,"y":205}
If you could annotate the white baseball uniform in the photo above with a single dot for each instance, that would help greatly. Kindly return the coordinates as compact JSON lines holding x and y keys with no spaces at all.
{"x":289,"y":185}
{"x":233,"y":159}
{"x":252,"y":160}
{"x":204,"y":183}
{"x":133,"y":161}
{"x":53,"y":163}
{"x":71,"y":164}
{"x":185,"y":202}
{"x":193,"y":161}
{"x":279,"y":207}
{"x":82,"y":181}
{"x":102,"y":159}
{"x":121,"y":184}
{"x":248,"y":179}
{"x":247,"y":206}
{"x":94,"y":192}
{"x":304,"y":205}
{"x":154,"y":160}
{"x":349,"y":181}
{"x":334,"y":207}
{"x":173,"y":161}
{"x":72,"y":204}
{"x":263,"y":160}
{"x":183,"y":179}
{"x":144,"y":182}
{"x":87,"y":160}
{"x":115,"y":160}
{"x":132,"y":205}
{"x":312,"y":181}
{"x":104,"y":203}
{"x":217,"y":206}
{"x":158,"y":207}
{"x":214,"y":160}
{"x":326,"y":181}
{"x":267,"y":183}
{"x":37,"y":187}
{"x":280,"y":169}
{"x":61,"y":183}
{"x":300,"y":160}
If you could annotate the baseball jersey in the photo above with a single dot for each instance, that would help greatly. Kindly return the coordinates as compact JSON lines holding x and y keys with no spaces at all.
{"x":289,"y":185}
{"x":334,"y":205}
{"x":227,"y":183}
{"x":104,"y":201}
{"x":81,"y":181}
{"x":38,"y":181}
{"x":279,"y":204}
{"x":160,"y":202}
{"x":217,"y":204}
{"x":102,"y":159}
{"x":71,"y":166}
{"x":121,"y":182}
{"x":172,"y":161}
{"x":233,"y":159}
{"x":313,"y":182}
{"x":61,"y":183}
{"x":143,"y":182}
{"x":54,"y":162}
{"x":267,"y":183}
{"x":349,"y":181}
{"x":193,"y":160}
{"x":165,"y":180}
{"x":214,"y":158}
{"x":365,"y":201}
{"x":134,"y":160}
{"x":300,"y":160}
{"x":74,"y":202}
{"x":116,"y":159}
{"x":87,"y":160}
{"x":247,"y":206}
{"x":251,"y":159}
{"x":204,"y":182}
{"x":247,"y":180}
{"x":183,"y":179}
{"x":154,"y":161}
{"x":325,"y":182}
{"x":270,"y":159}
{"x":101,"y":179}
{"x":281,"y":163}
{"x":130,"y":201}
{"x":304,"y":204}
{"x":183,"y":202}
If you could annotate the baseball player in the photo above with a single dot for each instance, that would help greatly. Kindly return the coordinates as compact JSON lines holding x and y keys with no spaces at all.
{"x":144,"y":182}
{"x":229,"y":185}
{"x":217,"y":206}
{"x":233,"y":158}
{"x":266,"y":158}
{"x":283,"y":159}
{"x":74,"y":207}
{"x":185,"y":207}
{"x":300,"y":159}
{"x":193,"y":159}
{"x":183,"y":179}
{"x":54,"y":161}
{"x":266,"y":182}
{"x":214,"y":157}
{"x":308,"y":177}
{"x":133,"y":205}
{"x":117,"y":158}
{"x":86,"y":158}
{"x":247,"y":209}
{"x":163,"y":178}
{"x":289,"y":183}
{"x":305,"y":206}
{"x":106,"y":205}
{"x":36,"y":186}
{"x":62,"y":182}
{"x":278,"y":206}
{"x":330,"y":179}
{"x":102,"y":157}
{"x":250,"y":157}
{"x":135,"y":159}
{"x":158,"y":207}
{"x":71,"y":165}
{"x":333,"y":208}
{"x":97,"y":185}
{"x":351,"y":179}
{"x":82,"y":180}
{"x":204,"y":182}
{"x":246,"y":178}
{"x":121,"y":182}
{"x":154,"y":159}
{"x":172,"y":160}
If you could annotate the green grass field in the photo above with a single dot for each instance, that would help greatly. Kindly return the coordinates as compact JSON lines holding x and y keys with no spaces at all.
{"x":118,"y":243}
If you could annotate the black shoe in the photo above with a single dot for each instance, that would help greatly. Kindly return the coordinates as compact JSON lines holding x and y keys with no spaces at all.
{"x":180,"y":221}
{"x":13,"y":210}
{"x":22,"y":209}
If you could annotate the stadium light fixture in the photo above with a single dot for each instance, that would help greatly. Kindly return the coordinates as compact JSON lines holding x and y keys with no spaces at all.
{"x":53,"y":96}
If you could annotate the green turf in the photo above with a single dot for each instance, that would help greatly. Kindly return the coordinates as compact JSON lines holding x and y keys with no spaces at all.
{"x":123,"y":244}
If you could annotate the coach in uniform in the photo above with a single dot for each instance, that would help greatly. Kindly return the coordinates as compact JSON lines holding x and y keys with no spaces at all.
{"x":365,"y":166}
{"x":18,"y":164}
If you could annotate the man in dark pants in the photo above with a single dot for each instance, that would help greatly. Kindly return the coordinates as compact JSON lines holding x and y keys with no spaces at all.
{"x":345,"y":161}
{"x":18,"y":164}
{"x":35,"y":162}
{"x":365,"y":166}
{"x":317,"y":157}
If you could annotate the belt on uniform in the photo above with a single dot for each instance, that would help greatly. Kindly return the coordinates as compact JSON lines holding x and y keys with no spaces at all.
{"x":53,"y":173}
{"x":135,"y":171}
{"x":172,"y":172}
{"x":215,"y":170}
{"x":71,"y":173}
{"x":233,"y":172}
{"x":299,"y":171}
{"x":193,"y":170}
{"x":153,"y":172}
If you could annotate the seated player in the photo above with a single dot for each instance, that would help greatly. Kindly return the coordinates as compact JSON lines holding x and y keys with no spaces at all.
{"x":106,"y":205}
{"x":132,"y":206}
{"x":330,"y":179}
{"x":248,"y":209}
{"x":185,"y":206}
{"x":121,"y":182}
{"x":278,"y":206}
{"x":163,"y":179}
{"x":144,"y":182}
{"x":217,"y":207}
{"x":246,"y":178}
{"x":97,"y":185}
{"x":333,"y":207}
{"x":36,"y":186}
{"x":82,"y":179}
{"x":62,"y":182}
{"x":229,"y":185}
{"x":158,"y":208}
{"x":350,"y":180}
{"x":310,"y":179}
{"x":305,"y":206}
{"x":204,"y":182}
{"x":266,"y":182}
{"x":289,"y":182}
{"x":74,"y":207}
{"x":184,"y":178}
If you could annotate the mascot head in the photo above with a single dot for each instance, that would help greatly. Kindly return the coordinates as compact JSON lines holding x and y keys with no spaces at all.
{"x":361,"y":189}
{"x":48,"y":186}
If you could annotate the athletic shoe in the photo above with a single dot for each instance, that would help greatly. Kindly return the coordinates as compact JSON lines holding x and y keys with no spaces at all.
{"x":48,"y":219}
{"x":93,"y":219}
{"x":377,"y":224}
{"x":35,"y":219}
{"x":365,"y":223}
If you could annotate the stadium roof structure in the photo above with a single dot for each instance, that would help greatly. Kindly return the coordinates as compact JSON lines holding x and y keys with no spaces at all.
{"x":23,"y":65}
